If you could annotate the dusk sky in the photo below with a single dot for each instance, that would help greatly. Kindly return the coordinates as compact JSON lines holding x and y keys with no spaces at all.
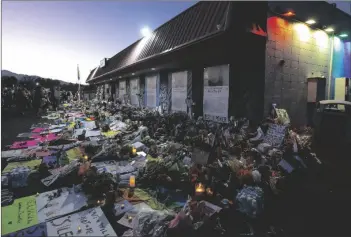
{"x":49,"y":39}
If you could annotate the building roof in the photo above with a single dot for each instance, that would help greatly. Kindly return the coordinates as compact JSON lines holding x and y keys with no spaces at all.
{"x":200,"y":21}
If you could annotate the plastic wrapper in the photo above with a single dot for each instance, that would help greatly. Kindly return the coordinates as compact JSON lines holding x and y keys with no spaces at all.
{"x":153,"y":224}
{"x":250,"y":201}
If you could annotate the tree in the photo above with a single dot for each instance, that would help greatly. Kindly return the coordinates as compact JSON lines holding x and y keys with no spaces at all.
{"x":7,"y":81}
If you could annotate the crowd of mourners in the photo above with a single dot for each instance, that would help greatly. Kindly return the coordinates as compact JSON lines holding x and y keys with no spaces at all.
{"x":39,"y":99}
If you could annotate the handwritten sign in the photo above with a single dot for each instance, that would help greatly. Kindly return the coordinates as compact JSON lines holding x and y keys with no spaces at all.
{"x":31,"y":164}
{"x":74,"y":153}
{"x":49,"y":207}
{"x":275,"y":135}
{"x":20,"y":215}
{"x":91,"y":222}
{"x":35,"y":231}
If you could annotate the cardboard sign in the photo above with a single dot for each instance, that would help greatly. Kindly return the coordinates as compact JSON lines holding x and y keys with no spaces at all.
{"x":75,"y":153}
{"x":33,"y":231}
{"x":49,"y":208}
{"x":44,"y":138}
{"x":92,"y":133}
{"x":38,"y":130}
{"x":91,"y":222}
{"x":89,"y":124}
{"x":24,"y":144}
{"x":20,"y":215}
{"x":275,"y":135}
{"x":12,"y":153}
{"x":31,"y":164}
{"x":50,"y":160}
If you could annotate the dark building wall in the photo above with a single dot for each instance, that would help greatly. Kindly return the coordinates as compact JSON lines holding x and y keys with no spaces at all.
{"x":294,"y":52}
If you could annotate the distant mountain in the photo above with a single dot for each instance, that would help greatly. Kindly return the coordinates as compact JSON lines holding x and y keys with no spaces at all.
{"x":28,"y":77}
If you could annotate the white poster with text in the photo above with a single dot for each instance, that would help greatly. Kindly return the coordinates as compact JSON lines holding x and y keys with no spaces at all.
{"x":122,"y":89}
{"x":216,"y":93}
{"x":91,"y":222}
{"x":134,"y":91}
{"x":151,"y":91}
{"x":179,"y":91}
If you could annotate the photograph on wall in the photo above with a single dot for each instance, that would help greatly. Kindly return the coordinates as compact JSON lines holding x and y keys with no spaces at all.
{"x":122,"y":89}
{"x":134,"y":91}
{"x":151,"y":91}
{"x":179,"y":91}
{"x":216,"y":93}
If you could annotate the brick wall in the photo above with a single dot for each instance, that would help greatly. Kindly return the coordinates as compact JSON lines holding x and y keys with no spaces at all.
{"x":305,"y":53}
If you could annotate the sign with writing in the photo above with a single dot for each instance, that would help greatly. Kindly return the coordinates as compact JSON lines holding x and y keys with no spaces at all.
{"x":179,"y":91}
{"x":74,"y":153}
{"x":151,"y":91}
{"x":20,"y":215}
{"x":33,"y":231}
{"x":275,"y":135}
{"x":134,"y":91}
{"x":91,"y":222}
{"x":49,"y":206}
{"x":216,"y":93}
{"x":31,"y":164}
{"x":122,"y":89}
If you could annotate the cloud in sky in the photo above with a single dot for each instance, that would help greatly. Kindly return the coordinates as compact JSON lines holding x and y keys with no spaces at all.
{"x":49,"y":38}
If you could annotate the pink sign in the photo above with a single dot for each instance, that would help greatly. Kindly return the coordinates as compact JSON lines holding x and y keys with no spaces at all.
{"x":43,"y":138}
{"x":38,"y":130}
{"x":24,"y":144}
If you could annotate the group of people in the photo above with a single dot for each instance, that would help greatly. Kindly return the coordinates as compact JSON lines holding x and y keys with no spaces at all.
{"x":39,"y":99}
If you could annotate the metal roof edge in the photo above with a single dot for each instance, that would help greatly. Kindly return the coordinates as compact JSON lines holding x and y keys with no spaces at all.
{"x":187,"y":44}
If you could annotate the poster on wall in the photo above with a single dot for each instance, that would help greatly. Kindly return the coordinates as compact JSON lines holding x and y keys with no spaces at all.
{"x":122,"y":89}
{"x":91,"y":222}
{"x":134,"y":91}
{"x":151,"y":91}
{"x":216,"y":93}
{"x":179,"y":91}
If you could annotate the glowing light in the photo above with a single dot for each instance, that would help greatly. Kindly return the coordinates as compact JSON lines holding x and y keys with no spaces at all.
{"x":337,"y":44}
{"x":199,"y":188}
{"x":311,"y":22}
{"x":303,"y":32}
{"x":132,"y":181}
{"x":322,"y":38}
{"x":289,"y":13}
{"x":329,"y":30}
{"x":145,"y":32}
{"x":133,"y":74}
{"x":134,"y":150}
{"x":153,"y":69}
{"x":85,"y":157}
{"x":343,"y":35}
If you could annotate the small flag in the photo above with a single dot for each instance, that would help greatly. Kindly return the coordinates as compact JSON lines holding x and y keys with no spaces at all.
{"x":78,"y":72}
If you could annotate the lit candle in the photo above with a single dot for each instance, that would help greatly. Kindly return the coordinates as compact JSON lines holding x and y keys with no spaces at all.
{"x":130,"y":218}
{"x":132,"y":181}
{"x":209,"y":191}
{"x":199,"y":188}
{"x":79,"y":229}
{"x":98,"y":201}
{"x":86,"y":157}
{"x":134,"y":150}
{"x":122,"y":206}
